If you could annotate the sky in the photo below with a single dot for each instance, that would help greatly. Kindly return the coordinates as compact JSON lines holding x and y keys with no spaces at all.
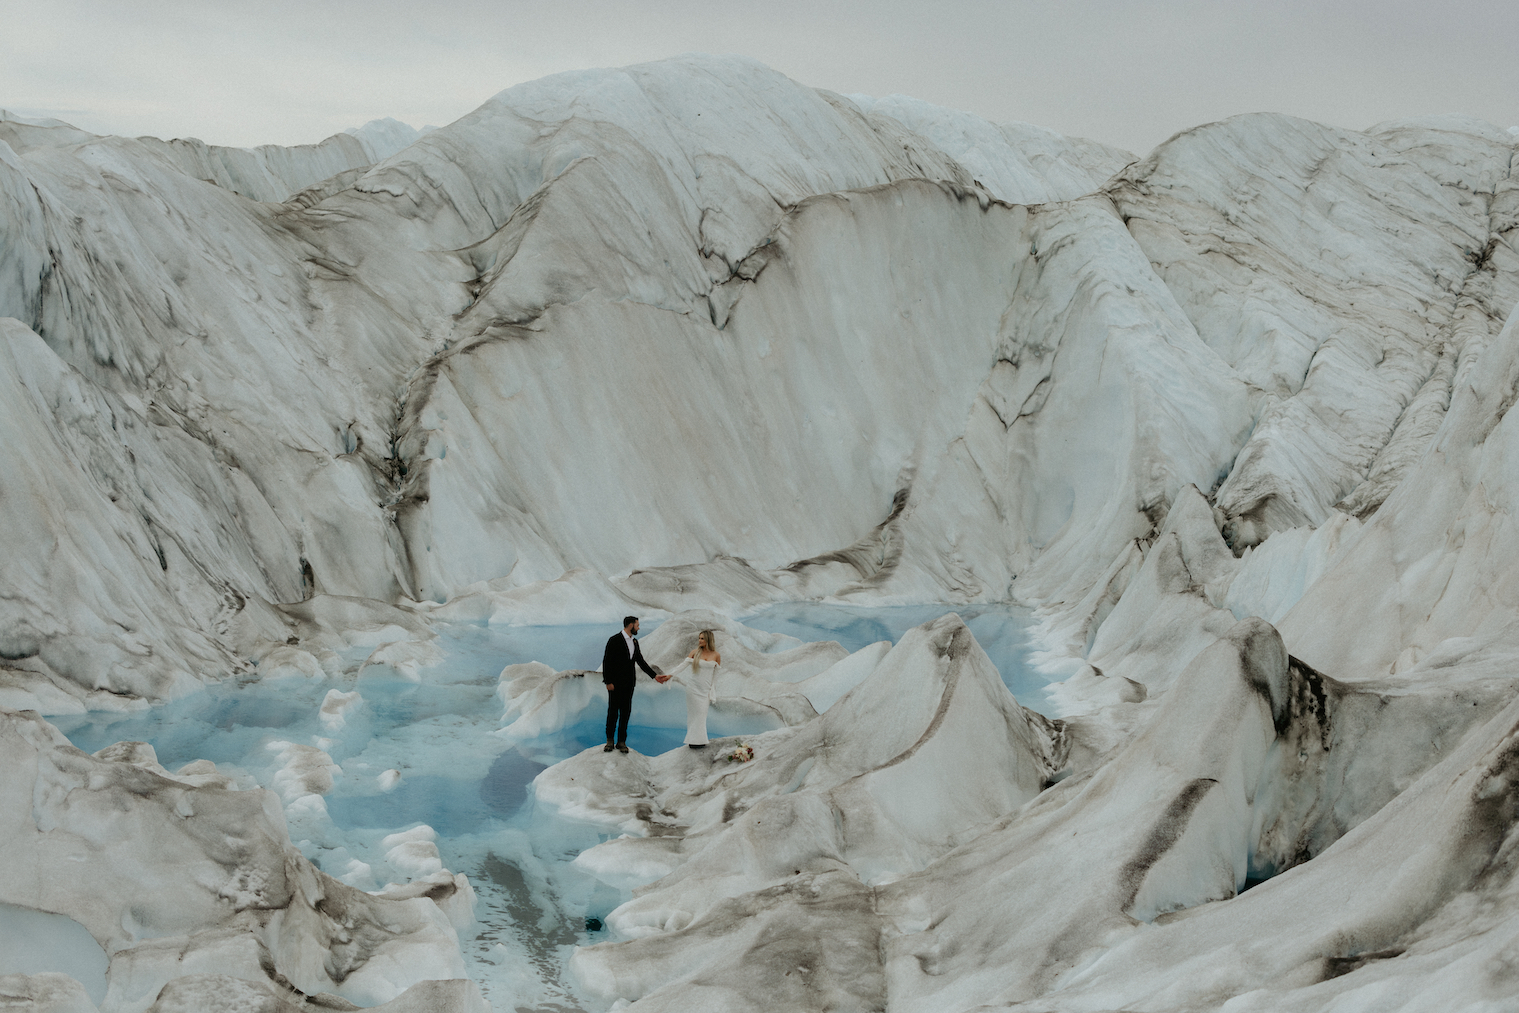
{"x":1126,"y":72}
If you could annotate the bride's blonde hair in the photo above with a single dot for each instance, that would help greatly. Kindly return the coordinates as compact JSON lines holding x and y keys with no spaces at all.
{"x":696,"y":654}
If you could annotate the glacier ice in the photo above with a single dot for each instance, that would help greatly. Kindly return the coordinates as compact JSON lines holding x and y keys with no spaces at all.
{"x":1112,"y":559}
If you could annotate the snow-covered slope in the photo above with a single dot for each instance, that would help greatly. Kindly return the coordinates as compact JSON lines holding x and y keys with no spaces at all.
{"x":691,"y":335}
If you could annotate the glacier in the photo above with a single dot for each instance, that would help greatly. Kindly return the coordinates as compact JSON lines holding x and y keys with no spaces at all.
{"x":1112,"y":558}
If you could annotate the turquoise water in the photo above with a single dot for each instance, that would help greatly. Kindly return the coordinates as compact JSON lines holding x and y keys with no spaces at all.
{"x":468,"y":783}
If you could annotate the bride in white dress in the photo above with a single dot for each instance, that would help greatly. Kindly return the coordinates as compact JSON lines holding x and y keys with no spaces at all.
{"x":699,"y":676}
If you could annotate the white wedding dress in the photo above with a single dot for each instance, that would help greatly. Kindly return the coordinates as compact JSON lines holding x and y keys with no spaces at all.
{"x":701,"y":691}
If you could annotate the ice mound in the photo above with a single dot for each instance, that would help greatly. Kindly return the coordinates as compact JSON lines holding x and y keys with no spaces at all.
{"x":404,"y":660}
{"x":874,"y":789}
{"x":859,"y":840}
{"x":304,"y":770}
{"x":173,"y":879}
{"x":1439,"y":856}
{"x":413,"y":852}
{"x":1167,"y":822}
{"x":337,"y":706}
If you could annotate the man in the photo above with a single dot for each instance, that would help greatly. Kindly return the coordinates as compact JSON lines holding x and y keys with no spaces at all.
{"x":621,"y":678}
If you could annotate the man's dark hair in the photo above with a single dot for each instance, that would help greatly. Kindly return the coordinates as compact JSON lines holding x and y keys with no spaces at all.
{"x":628,"y":621}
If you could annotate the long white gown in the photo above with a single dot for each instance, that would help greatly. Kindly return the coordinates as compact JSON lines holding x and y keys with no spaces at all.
{"x":701,"y":690}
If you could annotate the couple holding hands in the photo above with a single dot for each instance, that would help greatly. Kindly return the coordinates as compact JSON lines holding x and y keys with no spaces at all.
{"x":619,"y":664}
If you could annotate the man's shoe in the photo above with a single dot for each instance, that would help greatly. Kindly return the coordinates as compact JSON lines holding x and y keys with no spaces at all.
{"x":622,"y":747}
{"x":607,"y":748}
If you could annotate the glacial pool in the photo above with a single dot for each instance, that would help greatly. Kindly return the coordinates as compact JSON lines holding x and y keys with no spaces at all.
{"x":472,"y":786}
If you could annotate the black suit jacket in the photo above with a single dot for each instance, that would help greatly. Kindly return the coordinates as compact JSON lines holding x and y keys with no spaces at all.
{"x":617,"y":667}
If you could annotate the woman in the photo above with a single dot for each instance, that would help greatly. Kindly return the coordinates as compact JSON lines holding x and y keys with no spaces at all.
{"x":701,"y":687}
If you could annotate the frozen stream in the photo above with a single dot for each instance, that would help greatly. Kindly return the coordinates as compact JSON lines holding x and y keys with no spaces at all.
{"x":469,"y":785}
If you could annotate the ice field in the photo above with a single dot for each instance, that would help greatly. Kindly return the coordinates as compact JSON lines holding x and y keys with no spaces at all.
{"x":1113,"y":556}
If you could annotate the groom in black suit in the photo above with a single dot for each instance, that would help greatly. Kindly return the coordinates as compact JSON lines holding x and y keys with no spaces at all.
{"x":621,"y":679}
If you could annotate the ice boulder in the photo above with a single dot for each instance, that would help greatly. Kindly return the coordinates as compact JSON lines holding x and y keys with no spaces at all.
{"x":302,"y":771}
{"x":404,"y":660}
{"x":337,"y":706}
{"x":413,"y":853}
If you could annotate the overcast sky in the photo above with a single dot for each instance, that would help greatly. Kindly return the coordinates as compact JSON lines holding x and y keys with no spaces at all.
{"x":1129,"y":73}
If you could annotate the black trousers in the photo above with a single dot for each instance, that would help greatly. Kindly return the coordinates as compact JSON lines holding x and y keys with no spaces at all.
{"x":619,"y":709}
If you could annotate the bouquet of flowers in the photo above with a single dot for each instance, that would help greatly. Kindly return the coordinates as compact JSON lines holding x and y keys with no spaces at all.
{"x":741,"y":754}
